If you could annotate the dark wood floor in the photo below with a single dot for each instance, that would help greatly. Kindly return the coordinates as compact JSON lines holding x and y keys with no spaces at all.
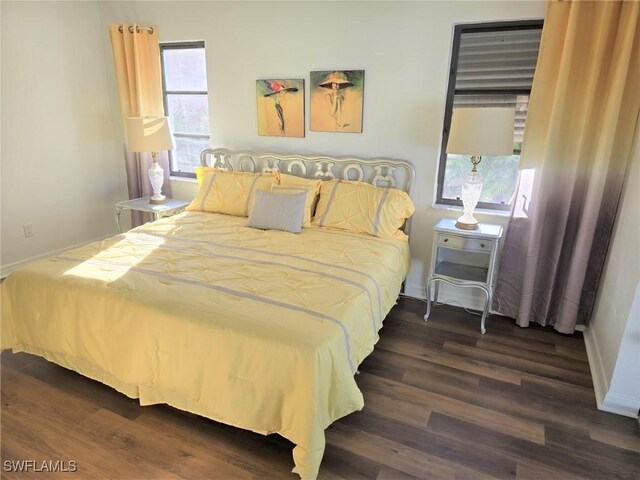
{"x":441,"y":401}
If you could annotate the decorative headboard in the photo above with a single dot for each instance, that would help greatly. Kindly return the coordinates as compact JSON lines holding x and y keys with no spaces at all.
{"x":381,"y":172}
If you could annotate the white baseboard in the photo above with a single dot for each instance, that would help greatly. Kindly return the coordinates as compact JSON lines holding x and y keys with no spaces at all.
{"x":621,"y":404}
{"x":607,"y":401}
{"x":600,"y":382}
{"x":10,"y":267}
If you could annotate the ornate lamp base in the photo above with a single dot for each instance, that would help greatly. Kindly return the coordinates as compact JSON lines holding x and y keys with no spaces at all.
{"x":471,"y":190}
{"x":156,"y":177}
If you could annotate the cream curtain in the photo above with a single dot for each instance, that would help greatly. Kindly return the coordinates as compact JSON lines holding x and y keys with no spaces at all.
{"x":582,"y":116}
{"x":136,"y":56}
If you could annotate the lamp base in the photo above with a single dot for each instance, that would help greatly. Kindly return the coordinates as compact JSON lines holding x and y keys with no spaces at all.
{"x":156,"y":178}
{"x":467,"y":221}
{"x":471,"y":190}
{"x":466,"y":226}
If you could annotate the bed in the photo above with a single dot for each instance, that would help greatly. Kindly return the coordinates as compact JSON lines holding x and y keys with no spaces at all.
{"x":260,"y":329}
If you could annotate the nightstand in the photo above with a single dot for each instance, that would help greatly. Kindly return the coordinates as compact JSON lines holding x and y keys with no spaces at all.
{"x":464,"y":258}
{"x":166,"y":209}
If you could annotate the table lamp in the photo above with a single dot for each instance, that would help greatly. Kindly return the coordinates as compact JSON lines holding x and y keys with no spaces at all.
{"x":151,"y":134}
{"x":477,"y":132}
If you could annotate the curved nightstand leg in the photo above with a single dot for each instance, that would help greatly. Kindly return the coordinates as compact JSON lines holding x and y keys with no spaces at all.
{"x":426,"y":315}
{"x":118,"y":212}
{"x":485,"y":311}
{"x":436,"y":290}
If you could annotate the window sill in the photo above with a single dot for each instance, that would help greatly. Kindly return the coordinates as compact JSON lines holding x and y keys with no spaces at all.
{"x":481,"y":211}
{"x":183,"y":179}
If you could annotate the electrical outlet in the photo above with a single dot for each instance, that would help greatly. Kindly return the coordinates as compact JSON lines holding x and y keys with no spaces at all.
{"x":28,"y":230}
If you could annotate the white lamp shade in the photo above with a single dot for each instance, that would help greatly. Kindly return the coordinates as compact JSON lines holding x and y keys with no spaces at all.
{"x":149,"y":134}
{"x":481,"y":131}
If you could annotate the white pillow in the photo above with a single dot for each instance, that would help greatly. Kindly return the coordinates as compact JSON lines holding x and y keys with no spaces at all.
{"x":273,"y":211}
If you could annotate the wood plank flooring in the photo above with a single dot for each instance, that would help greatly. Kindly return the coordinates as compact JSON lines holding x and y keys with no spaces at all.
{"x":441,"y":402}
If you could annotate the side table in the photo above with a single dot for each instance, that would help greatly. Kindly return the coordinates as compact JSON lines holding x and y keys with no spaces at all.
{"x":464,"y":258}
{"x":168,"y":208}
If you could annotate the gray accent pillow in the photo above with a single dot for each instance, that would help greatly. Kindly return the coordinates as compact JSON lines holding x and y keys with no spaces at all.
{"x":273,"y":211}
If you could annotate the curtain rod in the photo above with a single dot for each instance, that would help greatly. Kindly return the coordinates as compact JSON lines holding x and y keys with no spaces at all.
{"x":138,"y":28}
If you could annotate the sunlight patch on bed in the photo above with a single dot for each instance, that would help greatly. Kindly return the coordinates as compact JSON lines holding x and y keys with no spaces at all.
{"x":115,"y":261}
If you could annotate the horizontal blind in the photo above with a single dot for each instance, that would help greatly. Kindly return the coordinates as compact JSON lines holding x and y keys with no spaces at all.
{"x":502,"y":63}
{"x":497,"y":60}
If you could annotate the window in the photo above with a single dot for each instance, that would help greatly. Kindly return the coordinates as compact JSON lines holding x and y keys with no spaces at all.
{"x":491,"y":65}
{"x":184,"y":87}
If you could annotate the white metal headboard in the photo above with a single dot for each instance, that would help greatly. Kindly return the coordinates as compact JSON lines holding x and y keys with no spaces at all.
{"x":381,"y":172}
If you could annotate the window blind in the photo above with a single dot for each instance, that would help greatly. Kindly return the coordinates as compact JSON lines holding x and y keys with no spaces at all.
{"x":497,"y":60}
{"x":495,"y":69}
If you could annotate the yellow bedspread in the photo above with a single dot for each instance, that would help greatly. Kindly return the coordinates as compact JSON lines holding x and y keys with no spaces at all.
{"x":262,"y":330}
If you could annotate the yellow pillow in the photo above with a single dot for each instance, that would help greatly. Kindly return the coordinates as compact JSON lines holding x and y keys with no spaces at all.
{"x":230,"y":192}
{"x":200,"y":171}
{"x":362,"y":208}
{"x":309,"y":200}
{"x":293,"y":181}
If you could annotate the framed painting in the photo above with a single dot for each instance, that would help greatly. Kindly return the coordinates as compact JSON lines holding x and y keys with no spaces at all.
{"x":280,"y":107}
{"x":336,"y":101}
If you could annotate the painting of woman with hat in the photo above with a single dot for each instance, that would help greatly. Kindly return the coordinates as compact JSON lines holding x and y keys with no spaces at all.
{"x":336,"y":101}
{"x":280,"y":107}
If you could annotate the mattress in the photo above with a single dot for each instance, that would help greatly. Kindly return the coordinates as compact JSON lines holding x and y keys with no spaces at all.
{"x":263,"y":330}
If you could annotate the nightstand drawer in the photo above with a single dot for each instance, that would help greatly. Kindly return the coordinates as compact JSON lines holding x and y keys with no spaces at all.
{"x":462,"y":243}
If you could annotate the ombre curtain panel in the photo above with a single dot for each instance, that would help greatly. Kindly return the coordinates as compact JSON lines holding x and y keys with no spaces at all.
{"x":136,"y":56}
{"x":580,"y":126}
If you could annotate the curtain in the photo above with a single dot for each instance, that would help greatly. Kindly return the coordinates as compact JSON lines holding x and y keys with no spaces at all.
{"x":136,"y":56}
{"x":582,"y":117}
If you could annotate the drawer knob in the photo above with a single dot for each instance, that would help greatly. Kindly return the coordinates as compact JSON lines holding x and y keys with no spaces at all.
{"x":446,"y":240}
{"x":482,"y":245}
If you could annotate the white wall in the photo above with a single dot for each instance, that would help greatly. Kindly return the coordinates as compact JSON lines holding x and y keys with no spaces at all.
{"x":613,"y":335}
{"x":62,"y":167}
{"x":403,"y":47}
